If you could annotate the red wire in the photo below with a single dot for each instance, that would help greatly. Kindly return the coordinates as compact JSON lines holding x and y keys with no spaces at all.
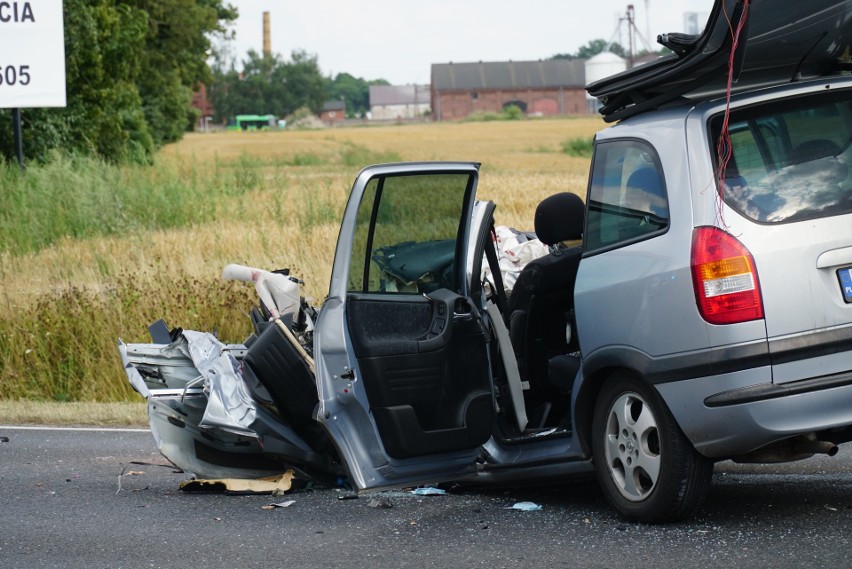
{"x":724,"y":150}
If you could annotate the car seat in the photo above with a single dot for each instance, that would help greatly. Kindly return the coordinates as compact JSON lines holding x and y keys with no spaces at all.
{"x":542,"y":301}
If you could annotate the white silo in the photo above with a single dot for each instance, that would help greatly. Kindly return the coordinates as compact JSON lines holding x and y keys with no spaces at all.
{"x":600,"y":66}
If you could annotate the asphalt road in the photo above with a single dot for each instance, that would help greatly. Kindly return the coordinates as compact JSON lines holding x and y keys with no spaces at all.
{"x":65,"y":503}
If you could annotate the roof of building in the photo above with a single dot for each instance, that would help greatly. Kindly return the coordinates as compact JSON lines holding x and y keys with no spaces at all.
{"x":399,"y":95}
{"x":334,"y":106}
{"x":509,"y":75}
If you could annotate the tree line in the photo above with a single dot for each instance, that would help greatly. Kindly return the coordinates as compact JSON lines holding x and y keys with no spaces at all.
{"x":269,"y":84}
{"x":130,"y":68}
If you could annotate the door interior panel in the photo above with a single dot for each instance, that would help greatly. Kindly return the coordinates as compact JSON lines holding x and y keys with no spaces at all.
{"x":424,"y":370}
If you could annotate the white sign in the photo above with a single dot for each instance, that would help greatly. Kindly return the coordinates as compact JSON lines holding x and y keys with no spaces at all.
{"x":32,"y":54}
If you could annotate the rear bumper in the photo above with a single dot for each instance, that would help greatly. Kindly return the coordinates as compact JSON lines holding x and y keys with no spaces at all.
{"x":736,"y":413}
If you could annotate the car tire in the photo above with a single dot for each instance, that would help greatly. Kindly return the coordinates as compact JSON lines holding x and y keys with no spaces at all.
{"x":646,"y":467}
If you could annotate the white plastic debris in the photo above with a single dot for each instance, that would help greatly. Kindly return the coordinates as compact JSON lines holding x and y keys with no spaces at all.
{"x":525,"y":506}
{"x":514,"y":250}
{"x":428,"y":492}
{"x":278,"y":293}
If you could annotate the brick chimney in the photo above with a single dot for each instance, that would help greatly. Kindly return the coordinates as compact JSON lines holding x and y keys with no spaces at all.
{"x":267,"y":39}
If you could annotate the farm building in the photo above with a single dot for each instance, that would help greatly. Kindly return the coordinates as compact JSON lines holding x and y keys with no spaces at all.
{"x":398,"y":102}
{"x":539,"y":88}
{"x":333,"y":112}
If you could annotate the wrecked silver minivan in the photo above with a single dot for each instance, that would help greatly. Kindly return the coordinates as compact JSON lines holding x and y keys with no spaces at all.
{"x":706,"y":315}
{"x":406,"y":373}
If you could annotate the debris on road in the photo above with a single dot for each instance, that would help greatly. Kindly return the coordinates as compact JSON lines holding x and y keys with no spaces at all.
{"x":525,"y":506}
{"x":428,"y":492}
{"x":268,"y":485}
{"x":286,"y":504}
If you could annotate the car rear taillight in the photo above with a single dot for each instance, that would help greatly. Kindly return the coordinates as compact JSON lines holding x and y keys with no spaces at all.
{"x":724,"y":277}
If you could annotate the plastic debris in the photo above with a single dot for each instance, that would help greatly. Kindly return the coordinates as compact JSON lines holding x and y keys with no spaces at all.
{"x":525,"y":506}
{"x":279,"y":293}
{"x":428,"y":492}
{"x":514,"y":250}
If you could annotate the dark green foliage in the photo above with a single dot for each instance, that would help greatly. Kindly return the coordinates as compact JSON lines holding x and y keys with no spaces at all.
{"x":130,"y":69}
{"x":593,"y":48}
{"x":175,"y":61}
{"x":579,"y":147}
{"x":268,"y":85}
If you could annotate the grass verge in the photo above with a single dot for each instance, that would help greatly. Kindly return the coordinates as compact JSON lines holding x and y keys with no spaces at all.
{"x":78,"y":414}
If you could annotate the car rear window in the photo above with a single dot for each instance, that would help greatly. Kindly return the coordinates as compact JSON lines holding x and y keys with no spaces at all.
{"x":790,"y":159}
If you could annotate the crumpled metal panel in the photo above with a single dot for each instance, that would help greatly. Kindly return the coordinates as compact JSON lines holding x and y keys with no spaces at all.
{"x":229,"y":405}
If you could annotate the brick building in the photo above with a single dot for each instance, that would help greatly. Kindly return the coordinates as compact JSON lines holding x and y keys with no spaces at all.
{"x":539,"y":88}
{"x":333,"y":112}
{"x":204,"y":106}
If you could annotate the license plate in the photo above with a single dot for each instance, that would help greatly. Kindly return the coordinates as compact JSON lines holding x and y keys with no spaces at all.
{"x":845,"y":276}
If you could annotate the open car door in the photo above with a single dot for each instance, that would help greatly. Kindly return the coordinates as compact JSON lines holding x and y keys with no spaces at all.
{"x":401,"y":350}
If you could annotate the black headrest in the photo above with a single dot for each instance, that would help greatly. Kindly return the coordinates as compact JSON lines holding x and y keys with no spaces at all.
{"x":559,"y":218}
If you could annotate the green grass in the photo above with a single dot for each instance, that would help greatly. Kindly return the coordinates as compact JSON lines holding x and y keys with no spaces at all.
{"x":579,"y":147}
{"x":510,"y":113}
{"x":88,"y":414}
{"x":359,"y":156}
{"x":78,"y":197}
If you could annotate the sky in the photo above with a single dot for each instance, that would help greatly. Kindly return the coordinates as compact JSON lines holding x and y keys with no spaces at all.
{"x":398,"y":40}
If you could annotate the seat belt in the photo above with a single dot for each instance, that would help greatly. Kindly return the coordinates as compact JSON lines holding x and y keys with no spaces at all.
{"x":510,"y":364}
{"x":496,"y":274}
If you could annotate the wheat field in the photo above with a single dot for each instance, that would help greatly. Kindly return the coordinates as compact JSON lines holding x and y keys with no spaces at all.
{"x":64,"y":306}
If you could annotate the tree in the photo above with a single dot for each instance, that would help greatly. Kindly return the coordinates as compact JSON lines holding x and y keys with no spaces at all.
{"x":305,"y":84}
{"x":593,"y":48}
{"x":130,"y":66}
{"x":175,"y":60}
{"x":268,"y":85}
{"x":355,"y":91}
